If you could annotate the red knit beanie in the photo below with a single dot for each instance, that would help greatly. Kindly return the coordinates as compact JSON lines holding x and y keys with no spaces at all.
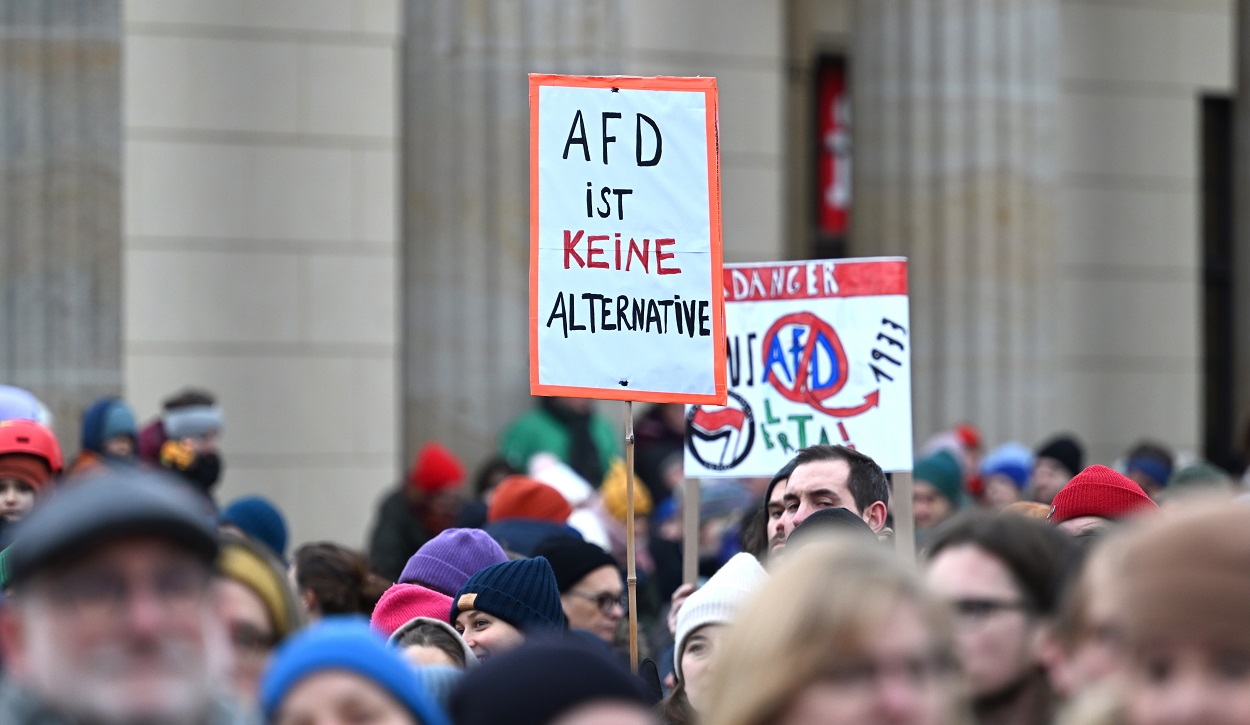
{"x":30,"y":470}
{"x":519,"y":497}
{"x":1100,"y":491}
{"x":404,"y":602}
{"x":436,"y":469}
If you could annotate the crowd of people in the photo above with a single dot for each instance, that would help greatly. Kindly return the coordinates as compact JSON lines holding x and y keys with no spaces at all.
{"x":1046,"y":590}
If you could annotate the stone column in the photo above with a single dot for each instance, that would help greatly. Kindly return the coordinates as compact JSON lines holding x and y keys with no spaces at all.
{"x":465,"y":166}
{"x":60,"y":202}
{"x":955,"y":105}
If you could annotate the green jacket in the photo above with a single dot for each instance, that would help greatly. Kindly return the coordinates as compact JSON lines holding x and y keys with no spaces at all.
{"x":539,"y":432}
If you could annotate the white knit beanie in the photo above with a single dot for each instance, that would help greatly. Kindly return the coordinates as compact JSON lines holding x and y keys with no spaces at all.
{"x":718,"y":601}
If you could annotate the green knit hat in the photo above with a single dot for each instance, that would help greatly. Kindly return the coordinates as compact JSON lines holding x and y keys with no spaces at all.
{"x":942,"y":470}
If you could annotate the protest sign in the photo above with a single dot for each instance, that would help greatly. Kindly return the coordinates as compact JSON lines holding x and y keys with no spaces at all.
{"x":818,"y":352}
{"x":626,"y":300}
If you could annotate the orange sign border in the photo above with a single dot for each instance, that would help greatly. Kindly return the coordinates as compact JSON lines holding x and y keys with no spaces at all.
{"x":660,"y":83}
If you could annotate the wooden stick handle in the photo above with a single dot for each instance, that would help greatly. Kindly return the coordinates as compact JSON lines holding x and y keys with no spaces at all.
{"x":690,"y":532}
{"x":631,"y":574}
{"x":904,"y":518}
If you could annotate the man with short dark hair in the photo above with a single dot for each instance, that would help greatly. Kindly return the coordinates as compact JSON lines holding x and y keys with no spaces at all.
{"x":827,"y":476}
{"x":112,"y":614}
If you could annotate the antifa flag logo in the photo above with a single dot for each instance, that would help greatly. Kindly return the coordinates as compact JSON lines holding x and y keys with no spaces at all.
{"x":720,"y":438}
{"x":719,"y":424}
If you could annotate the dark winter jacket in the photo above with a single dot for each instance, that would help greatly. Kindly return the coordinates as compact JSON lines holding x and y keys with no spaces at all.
{"x":520,"y":537}
{"x":397,"y":534}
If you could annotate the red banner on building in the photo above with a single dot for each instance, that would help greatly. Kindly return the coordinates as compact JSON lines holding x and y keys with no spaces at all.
{"x":834,"y":127}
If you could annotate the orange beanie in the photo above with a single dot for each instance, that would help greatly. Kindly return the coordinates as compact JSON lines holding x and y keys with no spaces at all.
{"x":520,"y":497}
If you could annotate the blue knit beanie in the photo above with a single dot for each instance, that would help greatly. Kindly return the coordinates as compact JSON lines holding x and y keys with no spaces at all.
{"x":1013,"y":460}
{"x":20,"y":404}
{"x":345,"y":643}
{"x":522,"y":593}
{"x":260,"y":519}
{"x":105,"y":419}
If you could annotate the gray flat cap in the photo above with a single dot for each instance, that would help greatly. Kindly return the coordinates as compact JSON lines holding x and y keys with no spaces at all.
{"x":84,"y":515}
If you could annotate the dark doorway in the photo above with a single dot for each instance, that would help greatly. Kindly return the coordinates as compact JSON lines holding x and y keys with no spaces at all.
{"x":1219,"y":413}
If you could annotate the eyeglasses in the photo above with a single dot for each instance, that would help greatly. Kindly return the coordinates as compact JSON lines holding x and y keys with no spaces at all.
{"x":920,"y":670}
{"x":249,"y":642}
{"x":104,"y":595}
{"x":979,"y":610}
{"x":604,"y":600}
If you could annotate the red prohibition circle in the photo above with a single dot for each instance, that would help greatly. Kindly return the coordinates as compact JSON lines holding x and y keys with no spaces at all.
{"x":801,"y":391}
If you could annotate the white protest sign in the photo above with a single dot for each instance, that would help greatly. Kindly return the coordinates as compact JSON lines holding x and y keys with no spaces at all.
{"x":819,"y":352}
{"x":626,"y":300}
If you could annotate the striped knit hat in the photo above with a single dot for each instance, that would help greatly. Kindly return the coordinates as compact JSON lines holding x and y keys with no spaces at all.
{"x":522,"y":593}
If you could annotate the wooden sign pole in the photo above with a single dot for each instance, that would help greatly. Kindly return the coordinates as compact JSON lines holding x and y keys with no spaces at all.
{"x":631,"y":574}
{"x":690,"y":532}
{"x":904,"y":519}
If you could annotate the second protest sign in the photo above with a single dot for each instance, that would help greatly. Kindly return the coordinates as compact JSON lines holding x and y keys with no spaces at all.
{"x":819,"y":352}
{"x":626,"y":300}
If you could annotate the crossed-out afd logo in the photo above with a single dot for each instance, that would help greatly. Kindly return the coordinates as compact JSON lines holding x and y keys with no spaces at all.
{"x":804,"y":362}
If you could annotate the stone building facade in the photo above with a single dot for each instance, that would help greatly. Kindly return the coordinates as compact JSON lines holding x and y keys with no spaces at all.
{"x":317,"y":208}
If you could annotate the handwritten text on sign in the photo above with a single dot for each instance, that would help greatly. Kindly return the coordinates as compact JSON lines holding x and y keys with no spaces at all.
{"x":625,"y":292}
{"x":818,"y":352}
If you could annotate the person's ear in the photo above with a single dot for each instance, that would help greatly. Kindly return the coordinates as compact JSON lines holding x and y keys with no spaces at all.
{"x":309,"y":601}
{"x":875,"y":516}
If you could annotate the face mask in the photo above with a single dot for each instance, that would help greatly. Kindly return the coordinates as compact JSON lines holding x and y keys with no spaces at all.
{"x":204,"y":470}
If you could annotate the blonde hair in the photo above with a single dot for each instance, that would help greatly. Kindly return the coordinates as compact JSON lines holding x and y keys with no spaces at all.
{"x":810,"y":618}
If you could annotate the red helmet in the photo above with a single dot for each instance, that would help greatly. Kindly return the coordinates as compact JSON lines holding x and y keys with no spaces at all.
{"x":27,"y":436}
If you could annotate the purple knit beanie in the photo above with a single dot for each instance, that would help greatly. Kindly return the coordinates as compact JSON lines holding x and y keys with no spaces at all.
{"x":446,"y":562}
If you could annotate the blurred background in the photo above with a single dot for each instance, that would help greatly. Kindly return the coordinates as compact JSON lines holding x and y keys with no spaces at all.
{"x":317,"y":209}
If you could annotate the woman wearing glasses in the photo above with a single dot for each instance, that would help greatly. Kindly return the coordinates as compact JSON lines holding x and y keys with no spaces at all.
{"x":592,"y":592}
{"x":1000,"y":575}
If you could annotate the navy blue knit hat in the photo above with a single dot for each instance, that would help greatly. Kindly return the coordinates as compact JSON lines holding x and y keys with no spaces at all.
{"x":522,"y":593}
{"x":346,"y":644}
{"x":104,"y":419}
{"x":260,"y":519}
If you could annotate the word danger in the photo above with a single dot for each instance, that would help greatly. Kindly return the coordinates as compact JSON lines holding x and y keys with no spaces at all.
{"x":605,"y":313}
{"x":783,"y":281}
